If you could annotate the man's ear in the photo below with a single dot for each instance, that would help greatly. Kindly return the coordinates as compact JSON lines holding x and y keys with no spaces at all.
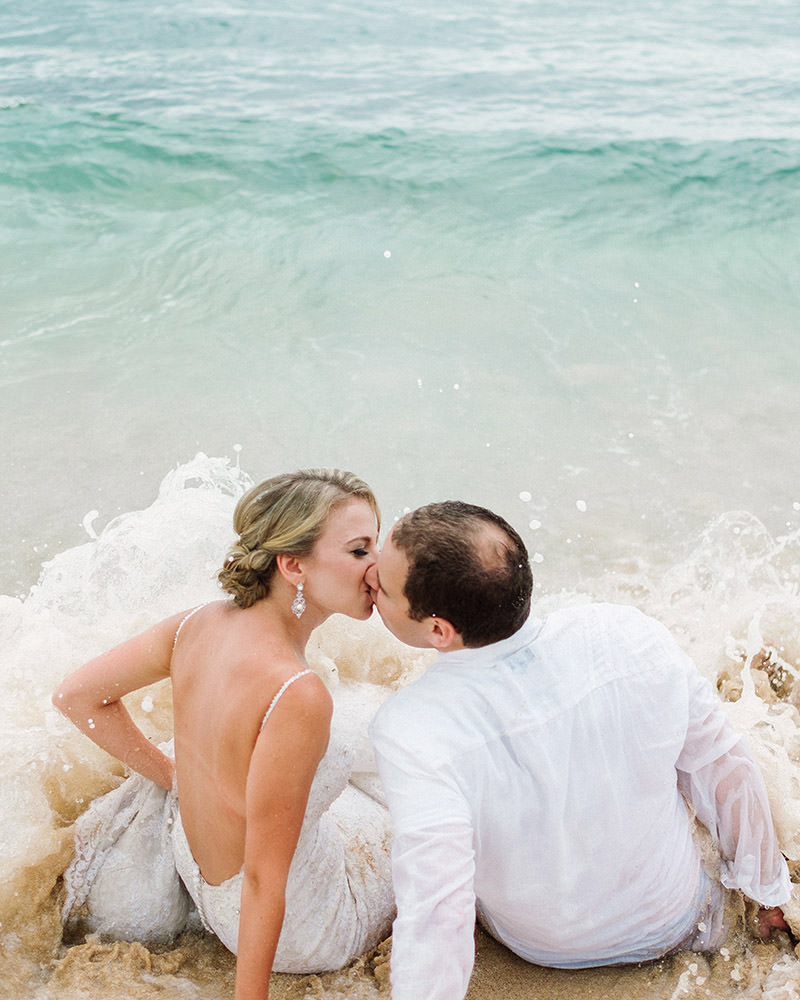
{"x":289,"y":568}
{"x":442,"y":634}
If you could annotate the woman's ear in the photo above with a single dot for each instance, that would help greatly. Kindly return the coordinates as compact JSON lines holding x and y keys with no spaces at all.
{"x":289,"y":568}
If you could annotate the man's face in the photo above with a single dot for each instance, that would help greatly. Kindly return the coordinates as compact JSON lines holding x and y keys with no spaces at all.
{"x":386,"y":580}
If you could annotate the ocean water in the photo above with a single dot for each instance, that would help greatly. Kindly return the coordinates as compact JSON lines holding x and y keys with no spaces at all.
{"x":538,"y":256}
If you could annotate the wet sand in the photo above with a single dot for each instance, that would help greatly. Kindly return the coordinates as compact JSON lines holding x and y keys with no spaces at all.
{"x":202,"y":968}
{"x":198,"y":966}
{"x":35,"y":964}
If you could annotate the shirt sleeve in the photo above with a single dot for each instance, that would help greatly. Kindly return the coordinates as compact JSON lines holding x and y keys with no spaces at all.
{"x":433,"y":867}
{"x":724,"y":784}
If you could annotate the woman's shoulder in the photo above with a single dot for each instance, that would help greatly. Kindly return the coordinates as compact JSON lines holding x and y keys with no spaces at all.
{"x":301,"y":691}
{"x":200,"y":615}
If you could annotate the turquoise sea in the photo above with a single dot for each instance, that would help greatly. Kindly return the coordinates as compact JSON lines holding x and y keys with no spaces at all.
{"x":468,"y":251}
{"x":543,"y":256}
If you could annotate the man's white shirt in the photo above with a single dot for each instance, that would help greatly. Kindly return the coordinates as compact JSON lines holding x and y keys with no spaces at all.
{"x":540,"y":778}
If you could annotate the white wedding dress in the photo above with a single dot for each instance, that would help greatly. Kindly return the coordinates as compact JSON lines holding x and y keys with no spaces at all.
{"x":134,"y":878}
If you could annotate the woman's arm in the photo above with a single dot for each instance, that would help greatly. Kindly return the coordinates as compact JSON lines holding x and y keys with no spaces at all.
{"x":91,"y":698}
{"x":282,"y":767}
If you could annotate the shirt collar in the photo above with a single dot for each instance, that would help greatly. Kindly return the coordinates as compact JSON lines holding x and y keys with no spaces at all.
{"x":483,"y":655}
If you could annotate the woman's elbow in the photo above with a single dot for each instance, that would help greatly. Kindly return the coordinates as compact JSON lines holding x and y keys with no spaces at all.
{"x":268,"y":887}
{"x":67,"y":699}
{"x":60,"y":698}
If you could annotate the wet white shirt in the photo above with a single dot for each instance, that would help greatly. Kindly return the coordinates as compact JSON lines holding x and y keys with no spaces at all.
{"x":538,"y":779}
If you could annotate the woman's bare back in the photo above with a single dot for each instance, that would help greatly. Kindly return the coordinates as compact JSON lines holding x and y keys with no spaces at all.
{"x":227,"y":666}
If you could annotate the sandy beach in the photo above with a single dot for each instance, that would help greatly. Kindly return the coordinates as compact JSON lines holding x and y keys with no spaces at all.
{"x":743,"y":968}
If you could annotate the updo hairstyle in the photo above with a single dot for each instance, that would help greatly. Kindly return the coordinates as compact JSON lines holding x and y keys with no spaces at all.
{"x":283,"y":515}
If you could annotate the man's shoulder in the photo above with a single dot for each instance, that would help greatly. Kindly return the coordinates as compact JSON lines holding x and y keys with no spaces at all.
{"x":603,"y":618}
{"x":608,"y":611}
{"x":616,"y":639}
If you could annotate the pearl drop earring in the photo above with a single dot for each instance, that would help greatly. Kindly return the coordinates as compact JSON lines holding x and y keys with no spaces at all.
{"x":299,"y":602}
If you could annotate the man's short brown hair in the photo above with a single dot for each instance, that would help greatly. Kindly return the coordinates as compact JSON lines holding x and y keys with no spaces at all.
{"x":468,"y":565}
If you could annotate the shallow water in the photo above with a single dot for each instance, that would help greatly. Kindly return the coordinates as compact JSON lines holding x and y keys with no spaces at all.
{"x":476,"y":252}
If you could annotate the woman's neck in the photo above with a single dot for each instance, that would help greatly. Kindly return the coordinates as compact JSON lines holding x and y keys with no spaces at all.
{"x":278,"y":616}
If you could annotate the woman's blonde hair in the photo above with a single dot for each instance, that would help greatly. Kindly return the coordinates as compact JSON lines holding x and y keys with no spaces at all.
{"x":283,"y":515}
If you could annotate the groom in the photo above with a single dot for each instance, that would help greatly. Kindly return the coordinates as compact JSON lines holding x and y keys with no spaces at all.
{"x":537,"y":773}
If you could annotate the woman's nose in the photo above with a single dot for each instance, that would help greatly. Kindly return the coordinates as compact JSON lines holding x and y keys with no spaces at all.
{"x":371,"y":576}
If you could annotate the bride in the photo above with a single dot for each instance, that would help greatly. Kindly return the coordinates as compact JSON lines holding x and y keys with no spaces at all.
{"x":284,"y":860}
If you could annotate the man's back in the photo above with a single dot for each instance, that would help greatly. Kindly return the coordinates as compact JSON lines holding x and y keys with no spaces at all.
{"x":552,"y":756}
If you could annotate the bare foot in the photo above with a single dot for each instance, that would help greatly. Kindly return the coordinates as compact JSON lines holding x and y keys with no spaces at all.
{"x":768,"y":919}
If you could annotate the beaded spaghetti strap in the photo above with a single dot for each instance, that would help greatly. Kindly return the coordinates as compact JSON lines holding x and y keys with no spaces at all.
{"x":185,"y":620}
{"x":283,"y":687}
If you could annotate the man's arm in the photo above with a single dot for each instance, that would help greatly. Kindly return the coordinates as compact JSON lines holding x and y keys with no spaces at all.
{"x":433,"y":943}
{"x":726,"y":787}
